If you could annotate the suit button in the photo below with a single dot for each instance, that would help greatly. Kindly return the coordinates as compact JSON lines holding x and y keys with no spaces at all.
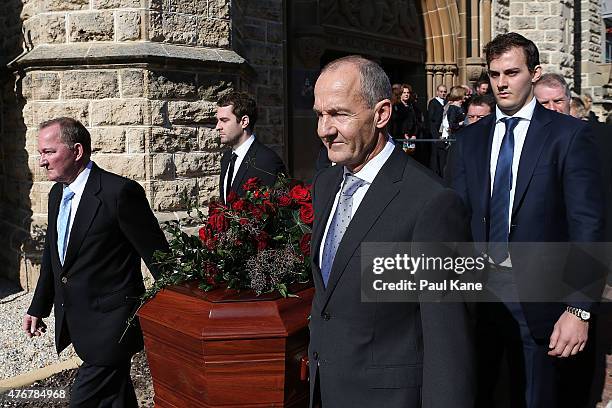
{"x":315,"y":355}
{"x":64,"y":279}
{"x":62,"y":305}
{"x":325,"y":316}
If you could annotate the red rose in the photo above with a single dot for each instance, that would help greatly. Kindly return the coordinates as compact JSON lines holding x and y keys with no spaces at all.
{"x":215,"y":207}
{"x":251,"y":184}
{"x":262,"y":240}
{"x":211,"y":272}
{"x":257,"y":194}
{"x":257,"y":212}
{"x":300,"y":194}
{"x":218,"y":222}
{"x":202,"y":234}
{"x":305,"y":244}
{"x":238,"y":205}
{"x":231,"y":197}
{"x":268,"y":207}
{"x":207,"y":238}
{"x":285,"y":201}
{"x":243,"y":221}
{"x":306,"y":213}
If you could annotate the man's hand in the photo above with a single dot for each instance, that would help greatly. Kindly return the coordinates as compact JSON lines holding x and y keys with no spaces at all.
{"x":33,"y":326}
{"x":569,"y":336}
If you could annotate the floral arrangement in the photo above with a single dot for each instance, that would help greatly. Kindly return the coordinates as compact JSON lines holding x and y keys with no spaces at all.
{"x":260,"y":241}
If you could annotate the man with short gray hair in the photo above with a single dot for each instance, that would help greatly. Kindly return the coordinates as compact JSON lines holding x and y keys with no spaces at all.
{"x":552,"y":92}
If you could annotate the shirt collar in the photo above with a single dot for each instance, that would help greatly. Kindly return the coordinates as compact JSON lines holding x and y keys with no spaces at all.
{"x":441,"y":100}
{"x":525,"y":113}
{"x":370,"y":170}
{"x":78,"y":185}
{"x":242,"y":150}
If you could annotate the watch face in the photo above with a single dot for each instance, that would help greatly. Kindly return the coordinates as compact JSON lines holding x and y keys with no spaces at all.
{"x":585,"y":315}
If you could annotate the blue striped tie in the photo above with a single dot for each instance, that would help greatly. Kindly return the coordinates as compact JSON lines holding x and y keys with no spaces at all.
{"x":63,"y":222}
{"x":500,"y":199}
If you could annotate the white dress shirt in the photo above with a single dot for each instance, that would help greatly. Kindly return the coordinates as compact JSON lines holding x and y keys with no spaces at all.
{"x":77,"y":187}
{"x":368,"y":173}
{"x":241,"y":152}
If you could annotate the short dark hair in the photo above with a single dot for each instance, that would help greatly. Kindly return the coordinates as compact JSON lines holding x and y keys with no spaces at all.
{"x":504,"y":42}
{"x":243,"y":105}
{"x":71,"y":132}
{"x":482,"y":81}
{"x":375,"y":84}
{"x":482,"y":100}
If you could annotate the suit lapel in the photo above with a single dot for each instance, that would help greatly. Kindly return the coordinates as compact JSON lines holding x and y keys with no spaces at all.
{"x":536,"y":137}
{"x":244,"y":166}
{"x":383,"y":190}
{"x":88,"y":207}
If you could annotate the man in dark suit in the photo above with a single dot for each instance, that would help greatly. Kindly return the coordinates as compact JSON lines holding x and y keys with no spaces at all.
{"x":363,"y":354}
{"x":100,"y":226}
{"x":527,"y":174}
{"x":247,"y":157}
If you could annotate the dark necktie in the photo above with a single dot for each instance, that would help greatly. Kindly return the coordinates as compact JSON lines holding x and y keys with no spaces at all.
{"x":500,"y":199}
{"x":230,"y":175}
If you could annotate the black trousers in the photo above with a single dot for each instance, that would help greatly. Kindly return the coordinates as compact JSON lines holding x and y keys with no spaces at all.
{"x":103,"y":387}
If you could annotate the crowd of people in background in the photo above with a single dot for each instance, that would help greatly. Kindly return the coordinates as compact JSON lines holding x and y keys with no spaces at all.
{"x":461,"y":105}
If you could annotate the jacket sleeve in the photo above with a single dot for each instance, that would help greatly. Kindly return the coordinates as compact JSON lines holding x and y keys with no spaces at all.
{"x":42,"y":302}
{"x":139,"y":225}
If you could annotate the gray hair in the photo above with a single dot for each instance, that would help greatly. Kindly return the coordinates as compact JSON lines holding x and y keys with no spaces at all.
{"x":71,"y":132}
{"x":375,"y":84}
{"x":553,"y":80}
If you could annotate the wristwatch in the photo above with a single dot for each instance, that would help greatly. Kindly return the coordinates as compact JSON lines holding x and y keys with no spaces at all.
{"x":579,"y":313}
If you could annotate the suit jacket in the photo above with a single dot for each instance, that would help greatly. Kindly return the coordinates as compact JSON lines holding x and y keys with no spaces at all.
{"x":99,"y":285}
{"x":434,"y":114}
{"x":404,"y":355}
{"x":558,"y":198}
{"x":260,"y":161}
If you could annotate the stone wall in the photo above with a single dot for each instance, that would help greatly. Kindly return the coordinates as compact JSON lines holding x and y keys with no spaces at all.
{"x":259,"y":36}
{"x":143,"y":76}
{"x":500,"y":17}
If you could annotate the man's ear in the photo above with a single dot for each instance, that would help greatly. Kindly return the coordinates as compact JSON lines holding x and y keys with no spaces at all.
{"x":244,"y":122}
{"x":537,"y":73}
{"x":79,"y":151}
{"x":382,"y":113}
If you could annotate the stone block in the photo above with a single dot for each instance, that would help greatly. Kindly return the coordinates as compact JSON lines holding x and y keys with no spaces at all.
{"x":162,"y":167}
{"x":267,"y":96}
{"x":254,"y":32}
{"x":159,"y":113}
{"x":537,"y":9}
{"x":173,"y":195}
{"x":173,"y":140}
{"x":156,"y":29}
{"x":132,"y":83}
{"x":522,"y":23}
{"x":517,"y":9}
{"x":62,"y":5}
{"x":90,"y":85}
{"x":274,"y":33}
{"x":108,"y":139}
{"x":211,"y":87}
{"x":264,"y":9}
{"x":545,"y":58}
{"x":50,"y":29}
{"x":208,"y":187}
{"x":550,"y":23}
{"x":554,"y":36}
{"x":94,"y":26}
{"x":36,"y":112}
{"x":116,"y":4}
{"x":171,"y":85}
{"x":197,"y":164}
{"x":176,"y":28}
{"x":208,"y":138}
{"x":188,"y":6}
{"x":135,"y":140}
{"x":265,"y":54}
{"x":275,"y":116}
{"x":37,"y":173}
{"x":128,"y":25}
{"x":549,"y":46}
{"x":180,"y":112}
{"x":131,"y":166}
{"x":117,"y":112}
{"x":219,"y":9}
{"x":213,"y":33}
{"x":41,"y":85}
{"x":270,"y":135}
